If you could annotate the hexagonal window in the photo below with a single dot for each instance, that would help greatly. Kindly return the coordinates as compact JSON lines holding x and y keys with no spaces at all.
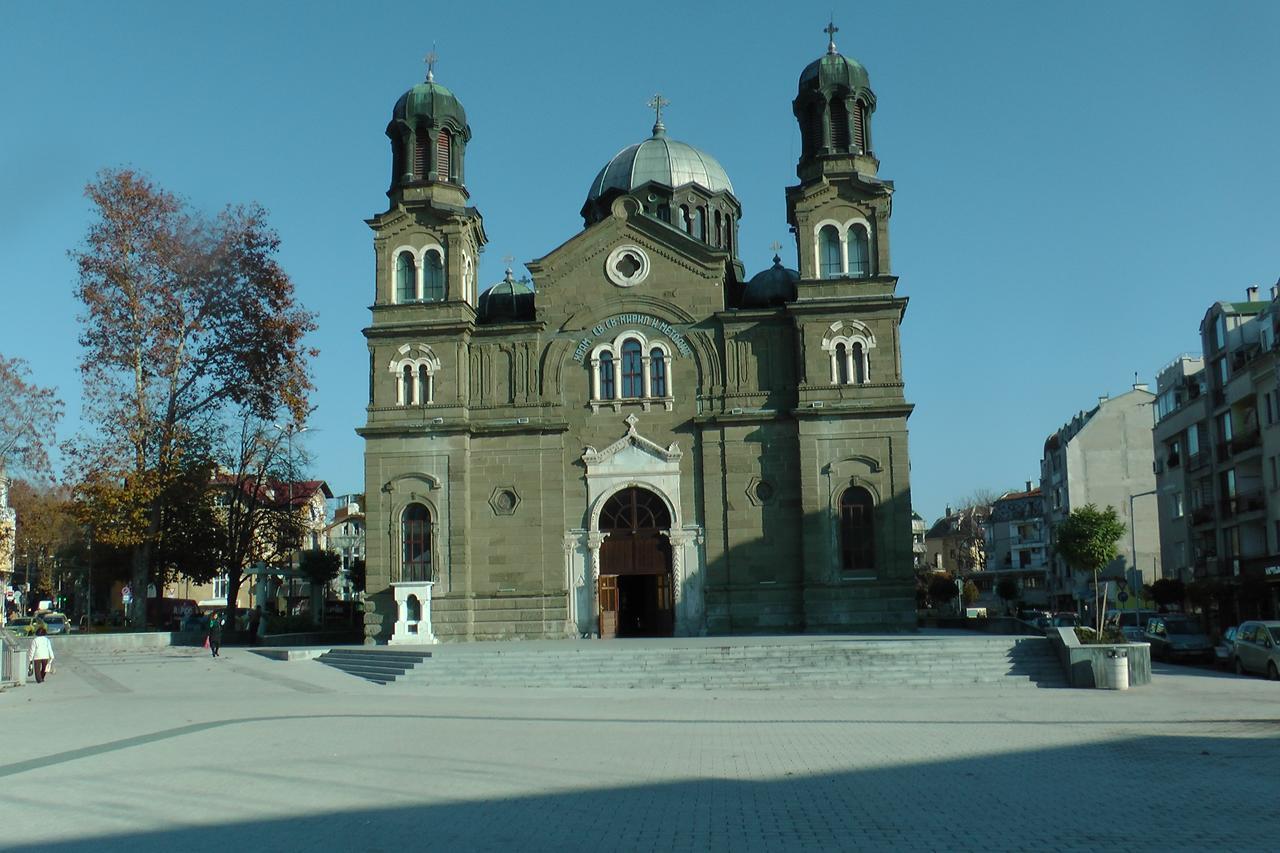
{"x":504,"y":500}
{"x":760,"y":492}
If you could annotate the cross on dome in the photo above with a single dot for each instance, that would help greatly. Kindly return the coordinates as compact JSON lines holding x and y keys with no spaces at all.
{"x":656,"y":103}
{"x":831,"y":29}
{"x":430,"y":59}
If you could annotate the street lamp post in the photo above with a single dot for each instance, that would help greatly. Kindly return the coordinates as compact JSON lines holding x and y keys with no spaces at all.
{"x":1133,"y":546}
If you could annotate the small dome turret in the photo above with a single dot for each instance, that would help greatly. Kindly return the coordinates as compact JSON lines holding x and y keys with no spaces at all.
{"x":429,"y":135}
{"x":833,"y":105}
{"x":508,"y":301}
{"x":772,"y":287}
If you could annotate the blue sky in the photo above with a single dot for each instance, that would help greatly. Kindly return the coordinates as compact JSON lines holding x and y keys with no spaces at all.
{"x":1076,"y":182}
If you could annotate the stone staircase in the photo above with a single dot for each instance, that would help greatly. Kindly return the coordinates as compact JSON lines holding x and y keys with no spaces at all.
{"x":735,"y":663}
{"x":379,"y":665}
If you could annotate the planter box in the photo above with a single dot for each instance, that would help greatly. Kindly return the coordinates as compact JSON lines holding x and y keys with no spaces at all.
{"x":1086,"y":666}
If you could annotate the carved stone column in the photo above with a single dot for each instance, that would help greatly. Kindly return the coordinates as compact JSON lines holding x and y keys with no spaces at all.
{"x":594,"y":541}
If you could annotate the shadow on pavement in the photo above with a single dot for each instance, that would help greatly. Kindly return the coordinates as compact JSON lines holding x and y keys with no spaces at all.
{"x":1082,"y":796}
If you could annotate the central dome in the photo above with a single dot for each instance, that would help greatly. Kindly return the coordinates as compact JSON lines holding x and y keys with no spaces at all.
{"x":661,"y":160}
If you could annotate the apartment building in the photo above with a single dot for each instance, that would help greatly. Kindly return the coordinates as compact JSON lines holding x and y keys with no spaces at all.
{"x":1217,"y":444}
{"x":1104,"y":457}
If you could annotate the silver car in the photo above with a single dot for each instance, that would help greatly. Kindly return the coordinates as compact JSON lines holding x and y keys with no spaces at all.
{"x":1257,"y":649}
{"x":1176,"y":637}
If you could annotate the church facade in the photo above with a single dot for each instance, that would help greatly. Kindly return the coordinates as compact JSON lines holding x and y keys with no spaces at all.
{"x":641,"y":440}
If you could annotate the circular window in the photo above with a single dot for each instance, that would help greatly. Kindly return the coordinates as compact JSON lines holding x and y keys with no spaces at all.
{"x":627,"y":266}
{"x":506,"y":500}
{"x":764,"y":491}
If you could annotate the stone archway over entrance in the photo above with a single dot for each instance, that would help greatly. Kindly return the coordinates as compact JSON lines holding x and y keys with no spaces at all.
{"x":635,"y":592}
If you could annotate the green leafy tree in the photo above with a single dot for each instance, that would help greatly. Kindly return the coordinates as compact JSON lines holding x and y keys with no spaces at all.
{"x":942,"y":590}
{"x":1087,"y":541}
{"x":1168,"y":591}
{"x":184,"y":318}
{"x":970,"y":593}
{"x":357,"y":573}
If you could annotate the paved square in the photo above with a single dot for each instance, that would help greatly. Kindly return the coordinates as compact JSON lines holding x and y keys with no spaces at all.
{"x":171,"y":750}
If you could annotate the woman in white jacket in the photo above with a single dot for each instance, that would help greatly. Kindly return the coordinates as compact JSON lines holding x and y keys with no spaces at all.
{"x":41,"y":654}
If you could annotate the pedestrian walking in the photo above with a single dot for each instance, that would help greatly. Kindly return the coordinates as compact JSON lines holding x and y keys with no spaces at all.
{"x":41,"y":654}
{"x":262,"y":629}
{"x":255,"y":620}
{"x":215,"y":634}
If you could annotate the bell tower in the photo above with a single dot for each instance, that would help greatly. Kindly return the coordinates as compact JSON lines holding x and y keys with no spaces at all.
{"x":840,"y":210}
{"x":429,"y":239}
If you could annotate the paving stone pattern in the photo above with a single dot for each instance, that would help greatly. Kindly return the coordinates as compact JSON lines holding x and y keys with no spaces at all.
{"x":175,"y":751}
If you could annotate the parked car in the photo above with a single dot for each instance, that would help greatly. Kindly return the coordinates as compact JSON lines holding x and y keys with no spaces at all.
{"x":1132,"y":634}
{"x":54,"y":623}
{"x":19,"y":624}
{"x":1066,"y":620}
{"x":1174,"y":637}
{"x":1224,"y":652}
{"x":1257,"y":649}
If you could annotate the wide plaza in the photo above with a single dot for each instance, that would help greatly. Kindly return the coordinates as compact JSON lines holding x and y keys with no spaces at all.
{"x":168,"y":749}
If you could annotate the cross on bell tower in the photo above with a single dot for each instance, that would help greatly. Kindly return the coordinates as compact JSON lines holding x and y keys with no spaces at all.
{"x":831,"y":29}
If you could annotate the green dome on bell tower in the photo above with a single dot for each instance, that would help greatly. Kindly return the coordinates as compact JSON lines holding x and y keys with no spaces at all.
{"x":429,"y":135}
{"x":833,"y":105}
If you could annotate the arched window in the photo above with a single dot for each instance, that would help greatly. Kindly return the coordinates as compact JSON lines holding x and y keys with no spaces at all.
{"x":664,"y":212}
{"x":728,"y":232}
{"x":433,"y":276}
{"x":606,"y":376}
{"x":859,"y":127}
{"x":415,"y":534}
{"x":442,"y":157}
{"x":719,"y":230}
{"x":406,"y":386}
{"x":632,"y":369}
{"x":859,"y":358}
{"x":406,"y":278}
{"x":842,"y":364}
{"x":424,"y":385}
{"x":700,"y":223}
{"x":857,"y":530}
{"x":839,"y":124}
{"x":686,"y":222}
{"x":859,"y":256}
{"x":657,"y":373}
{"x":829,"y":252}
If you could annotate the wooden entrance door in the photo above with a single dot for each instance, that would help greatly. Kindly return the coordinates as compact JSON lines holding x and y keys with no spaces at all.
{"x":635,"y":520}
{"x":607,"y":595}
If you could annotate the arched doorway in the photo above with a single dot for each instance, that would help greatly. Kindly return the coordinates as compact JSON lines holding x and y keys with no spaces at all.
{"x":635,"y":595}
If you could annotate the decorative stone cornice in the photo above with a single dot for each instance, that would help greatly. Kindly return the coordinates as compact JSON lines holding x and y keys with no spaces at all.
{"x":632,"y":438}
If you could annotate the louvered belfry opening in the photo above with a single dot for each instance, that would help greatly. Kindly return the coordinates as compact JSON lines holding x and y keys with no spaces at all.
{"x":839,"y":124}
{"x":420,"y":158}
{"x":859,"y":126}
{"x":442,"y":156}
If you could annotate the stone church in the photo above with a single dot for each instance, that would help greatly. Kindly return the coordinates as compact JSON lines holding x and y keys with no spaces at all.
{"x":641,"y":440}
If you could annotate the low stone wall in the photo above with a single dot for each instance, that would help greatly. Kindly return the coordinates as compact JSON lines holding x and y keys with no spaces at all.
{"x":1005,"y":625}
{"x":1086,"y":666}
{"x":131,"y":641}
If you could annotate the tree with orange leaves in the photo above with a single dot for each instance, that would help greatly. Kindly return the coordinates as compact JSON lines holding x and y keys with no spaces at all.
{"x":188,"y":323}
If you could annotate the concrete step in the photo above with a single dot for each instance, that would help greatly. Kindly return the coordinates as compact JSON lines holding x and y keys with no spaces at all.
{"x":988,"y":661}
{"x":379,"y":666}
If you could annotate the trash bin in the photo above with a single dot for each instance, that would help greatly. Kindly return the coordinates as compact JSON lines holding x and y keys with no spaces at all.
{"x":1117,"y":665}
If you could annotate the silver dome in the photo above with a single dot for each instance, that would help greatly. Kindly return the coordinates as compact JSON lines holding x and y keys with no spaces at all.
{"x":666,"y":161}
